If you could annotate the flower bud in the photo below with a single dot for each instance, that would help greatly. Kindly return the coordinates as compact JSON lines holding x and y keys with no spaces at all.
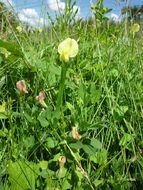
{"x":21,"y":86}
{"x":75,"y":133}
{"x":62,"y":161}
{"x":40,"y":98}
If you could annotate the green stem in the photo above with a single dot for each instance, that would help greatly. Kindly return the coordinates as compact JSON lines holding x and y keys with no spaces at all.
{"x":61,"y":88}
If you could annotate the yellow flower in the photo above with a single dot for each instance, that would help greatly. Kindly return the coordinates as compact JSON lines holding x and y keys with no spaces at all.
{"x":39,"y":30}
{"x":4,"y":52}
{"x":19,"y":29}
{"x":2,"y":107}
{"x":135,"y":28}
{"x":104,"y":9}
{"x":68,"y":49}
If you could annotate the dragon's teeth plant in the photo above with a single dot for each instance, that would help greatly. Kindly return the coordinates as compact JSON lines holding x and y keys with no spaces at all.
{"x":67,"y":49}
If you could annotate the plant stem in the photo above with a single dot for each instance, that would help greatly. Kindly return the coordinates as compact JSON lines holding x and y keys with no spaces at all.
{"x":61,"y":88}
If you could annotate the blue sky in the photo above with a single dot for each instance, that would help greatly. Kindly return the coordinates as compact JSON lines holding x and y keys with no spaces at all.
{"x":84,"y":5}
{"x":35,"y":11}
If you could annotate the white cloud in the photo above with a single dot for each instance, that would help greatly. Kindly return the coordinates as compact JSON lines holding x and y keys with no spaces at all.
{"x":31,"y":17}
{"x":57,"y":5}
{"x":114,"y":17}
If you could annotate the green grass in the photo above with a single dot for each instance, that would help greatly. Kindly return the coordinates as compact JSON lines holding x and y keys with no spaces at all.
{"x":103,"y":98}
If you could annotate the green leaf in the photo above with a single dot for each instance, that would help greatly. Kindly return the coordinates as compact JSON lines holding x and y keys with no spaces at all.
{"x":28,"y":117}
{"x":127,"y":138}
{"x":98,"y":182}
{"x":1,"y":59}
{"x":121,"y":110}
{"x":29,"y":142}
{"x":2,"y":81}
{"x":70,"y":106}
{"x":95,"y":93}
{"x":49,"y":112}
{"x":3,"y":132}
{"x":76,"y":145}
{"x":89,"y":150}
{"x":4,"y":186}
{"x":66,"y":185}
{"x":54,"y":72}
{"x":42,"y":119}
{"x":11,"y":47}
{"x":3,"y":116}
{"x":90,"y":147}
{"x":53,"y":69}
{"x":51,"y":142}
{"x":22,"y":175}
{"x":56,"y":157}
{"x":100,"y":157}
{"x":117,"y":165}
{"x":81,"y":92}
{"x":96,"y":144}
{"x":3,"y":110}
{"x":61,"y":172}
{"x":43,"y":165}
{"x":114,"y":73}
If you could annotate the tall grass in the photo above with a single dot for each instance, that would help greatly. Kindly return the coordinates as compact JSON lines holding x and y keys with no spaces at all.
{"x":103,"y":99}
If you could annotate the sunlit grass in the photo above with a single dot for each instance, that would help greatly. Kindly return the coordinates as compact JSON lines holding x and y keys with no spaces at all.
{"x":95,"y":140}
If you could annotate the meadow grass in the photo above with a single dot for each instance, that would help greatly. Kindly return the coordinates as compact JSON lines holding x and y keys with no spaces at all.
{"x":103,"y":99}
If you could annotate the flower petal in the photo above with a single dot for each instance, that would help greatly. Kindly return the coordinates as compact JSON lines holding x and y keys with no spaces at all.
{"x":68,"y":49}
{"x":64,"y":46}
{"x":135,"y":27}
{"x":73,"y":48}
{"x":21,"y":86}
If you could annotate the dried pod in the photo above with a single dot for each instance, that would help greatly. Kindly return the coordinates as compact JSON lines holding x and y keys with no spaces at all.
{"x":75,"y":133}
{"x":62,"y":161}
{"x":133,"y":158}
